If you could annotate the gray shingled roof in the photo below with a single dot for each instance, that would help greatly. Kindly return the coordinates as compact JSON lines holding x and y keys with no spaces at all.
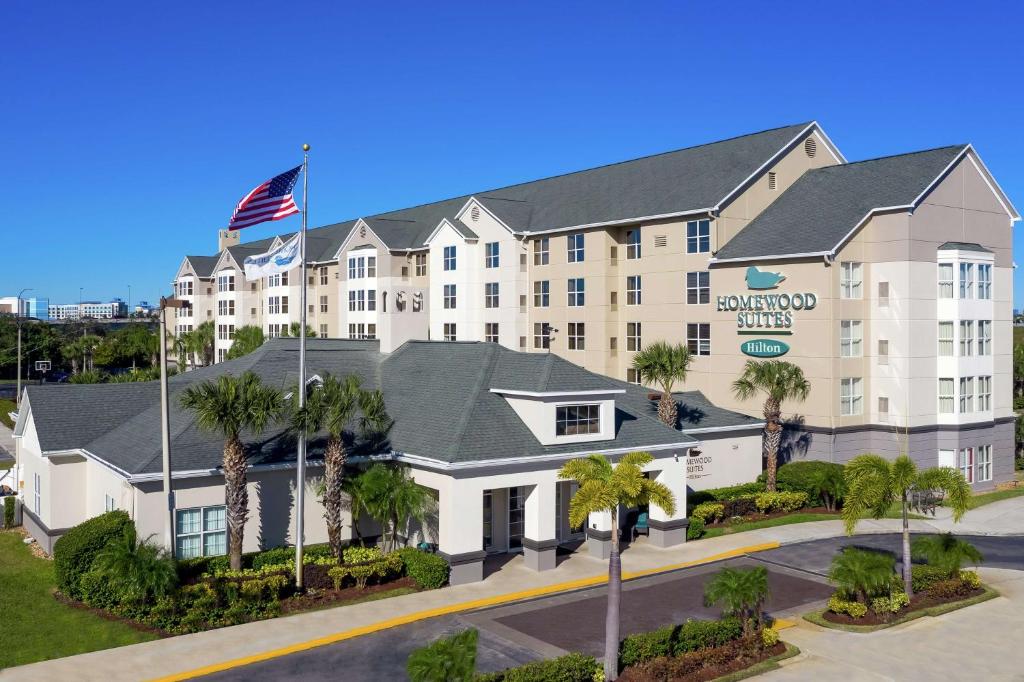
{"x":203,"y":265}
{"x":673,"y":182}
{"x":697,"y":412}
{"x":963,"y":246}
{"x":439,"y":394}
{"x":824,"y":205}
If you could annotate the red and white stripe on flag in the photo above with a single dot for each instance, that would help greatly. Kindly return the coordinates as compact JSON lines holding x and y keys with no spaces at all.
{"x":271,"y":200}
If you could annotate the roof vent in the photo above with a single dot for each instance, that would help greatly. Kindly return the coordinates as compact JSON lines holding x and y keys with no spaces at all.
{"x":771,"y":181}
{"x":362,"y":230}
{"x":810,"y":147}
{"x":474,"y":213}
{"x":660,"y":240}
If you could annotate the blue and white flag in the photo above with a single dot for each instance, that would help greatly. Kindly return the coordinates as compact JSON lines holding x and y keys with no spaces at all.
{"x":273,"y":262}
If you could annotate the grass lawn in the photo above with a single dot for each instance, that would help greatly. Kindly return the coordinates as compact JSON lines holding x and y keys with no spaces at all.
{"x":5,"y":407}
{"x":796,"y":517}
{"x":37,"y":627}
{"x":994,"y":496}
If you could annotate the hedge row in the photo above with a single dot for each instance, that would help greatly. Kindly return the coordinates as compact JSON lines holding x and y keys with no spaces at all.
{"x":75,"y":551}
{"x":568,"y":668}
{"x":675,"y":640}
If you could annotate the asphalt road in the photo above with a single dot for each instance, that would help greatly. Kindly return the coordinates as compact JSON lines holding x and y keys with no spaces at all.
{"x":515,"y":634}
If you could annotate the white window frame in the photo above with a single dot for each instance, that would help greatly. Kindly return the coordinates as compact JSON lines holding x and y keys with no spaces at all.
{"x":491,"y":294}
{"x":966,"y":274}
{"x":421,"y":265}
{"x":851,"y":396}
{"x":947,"y":342}
{"x":984,"y":281}
{"x":201,"y":532}
{"x":851,"y":339}
{"x":541,"y":251}
{"x":491,"y":332}
{"x":449,"y":258}
{"x":576,"y":292}
{"x":583,"y":419}
{"x":698,"y":338}
{"x":634,"y":290}
{"x":542,"y":293}
{"x":947,"y":395}
{"x":966,"y":395}
{"x":449,"y":296}
{"x":946,"y":275}
{"x":633,"y":250}
{"x":634,"y":340}
{"x":37,"y":493}
{"x":851,"y":280}
{"x":541,"y":335}
{"x":983,"y":393}
{"x":576,"y":336}
{"x":698,"y":287}
{"x":492,"y":254}
{"x":450,"y":331}
{"x":575,"y":247}
{"x":983,"y":463}
{"x":984,"y":337}
{"x":965,"y":463}
{"x":966,"y":338}
{"x":698,"y":236}
{"x":109,"y":503}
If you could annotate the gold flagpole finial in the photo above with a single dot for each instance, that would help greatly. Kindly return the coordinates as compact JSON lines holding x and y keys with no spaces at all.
{"x":305,"y":147}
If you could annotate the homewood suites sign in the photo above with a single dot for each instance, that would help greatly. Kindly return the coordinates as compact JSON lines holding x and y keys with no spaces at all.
{"x":765,"y":313}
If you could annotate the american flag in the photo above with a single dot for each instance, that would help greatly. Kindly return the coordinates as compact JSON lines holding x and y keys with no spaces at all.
{"x":270,"y":201}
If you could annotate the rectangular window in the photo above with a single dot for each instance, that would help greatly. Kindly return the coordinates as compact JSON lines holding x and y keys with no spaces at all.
{"x":371,"y":331}
{"x":850,"y":280}
{"x":449,"y":258}
{"x":633,"y":244}
{"x":540,"y":251}
{"x":449,"y":331}
{"x":698,"y":236}
{"x":576,"y":336}
{"x":883,"y":351}
{"x":541,"y":335}
{"x":946,"y":396}
{"x":541,"y":294}
{"x":967,"y":280}
{"x":965,"y":462}
{"x":576,"y":292}
{"x":274,"y":304}
{"x":226,"y":308}
{"x":984,"y":337}
{"x":698,"y":338}
{"x":201,"y":531}
{"x":633,"y":290}
{"x":491,"y":332}
{"x":851,"y":396}
{"x":984,"y":281}
{"x":371,"y":266}
{"x":371,"y":299}
{"x":945,"y":280}
{"x":357,"y":331}
{"x":850,"y":338}
{"x":323,"y":304}
{"x":576,"y":420}
{"x":883,"y":407}
{"x":966,"y":338}
{"x":574,"y":244}
{"x":491,"y":255}
{"x":698,"y":288}
{"x":351,"y":301}
{"x":983,"y":467}
{"x":883,"y":294}
{"x":225,"y":283}
{"x":37,"y":494}
{"x":966,"y":395}
{"x":633,"y":336}
{"x":491,"y":295}
{"x":984,"y":394}
{"x":323,"y":276}
{"x":421,"y":265}
{"x":109,"y":503}
{"x":946,"y":339}
{"x":323,"y":331}
{"x":449,"y":296}
{"x":632,"y":376}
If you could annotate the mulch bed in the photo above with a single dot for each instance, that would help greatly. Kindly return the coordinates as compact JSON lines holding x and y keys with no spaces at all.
{"x":107,"y":615}
{"x":774,"y":515}
{"x":634,"y":674}
{"x":921,"y":600}
{"x":315,"y":599}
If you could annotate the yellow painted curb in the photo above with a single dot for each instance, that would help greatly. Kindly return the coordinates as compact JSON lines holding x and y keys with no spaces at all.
{"x":783,"y":623}
{"x":455,"y":608}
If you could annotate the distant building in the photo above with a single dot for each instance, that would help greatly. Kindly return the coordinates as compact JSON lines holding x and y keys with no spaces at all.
{"x":144,"y":308}
{"x":30,"y":307}
{"x":89,"y":309}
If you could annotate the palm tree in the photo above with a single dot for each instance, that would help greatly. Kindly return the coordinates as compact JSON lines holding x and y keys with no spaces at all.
{"x":247,"y":339}
{"x":946,"y":551}
{"x":229,"y":405}
{"x":664,"y":364}
{"x":779,"y":381}
{"x":72,"y":350}
{"x":179,"y":347}
{"x":293,"y":330}
{"x":337,"y":404}
{"x":604,"y":488}
{"x":449,"y":659}
{"x":741,"y":592}
{"x":201,"y":342}
{"x":874,"y":484}
{"x":393,"y":498}
{"x":137,"y":568}
{"x":861,"y":573}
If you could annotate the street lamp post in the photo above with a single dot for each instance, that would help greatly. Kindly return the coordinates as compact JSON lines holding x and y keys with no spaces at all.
{"x":17,"y":323}
{"x":165,"y":420}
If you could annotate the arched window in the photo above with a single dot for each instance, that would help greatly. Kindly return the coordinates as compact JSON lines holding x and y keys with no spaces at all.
{"x":384,"y":301}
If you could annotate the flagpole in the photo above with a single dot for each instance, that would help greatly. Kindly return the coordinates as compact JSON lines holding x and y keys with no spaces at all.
{"x":300,"y":465}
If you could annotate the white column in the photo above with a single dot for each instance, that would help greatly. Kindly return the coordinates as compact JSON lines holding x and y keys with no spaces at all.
{"x":668,"y":530}
{"x":599,"y":534}
{"x":539,"y":540}
{"x":460,"y":524}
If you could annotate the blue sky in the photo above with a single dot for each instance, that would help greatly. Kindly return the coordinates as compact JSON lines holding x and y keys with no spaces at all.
{"x":132,"y":129}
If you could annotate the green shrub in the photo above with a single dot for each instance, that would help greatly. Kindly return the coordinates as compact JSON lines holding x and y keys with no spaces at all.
{"x":696,"y":529}
{"x":137,"y":569}
{"x":569,"y":668}
{"x":949,"y":588}
{"x":780,"y":502}
{"x":891,"y":604}
{"x":95,"y":590}
{"x":731,"y":492}
{"x":645,"y":646}
{"x":381,"y":567}
{"x":430,"y":571}
{"x":923,"y":576}
{"x":361,"y":555}
{"x":822,"y":481}
{"x":739,"y":506}
{"x":971,"y":579}
{"x":9,"y":511}
{"x":836,"y":604}
{"x":701,"y":634}
{"x":449,"y":659}
{"x":75,"y":551}
{"x":276,"y":556}
{"x":769,"y":637}
{"x":708,"y":512}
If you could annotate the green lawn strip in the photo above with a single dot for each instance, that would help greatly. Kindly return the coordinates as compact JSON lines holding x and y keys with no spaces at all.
{"x":797,"y":517}
{"x":6,"y":406}
{"x":37,"y":627}
{"x":988,"y":498}
{"x":818,"y":617}
{"x":762,"y":667}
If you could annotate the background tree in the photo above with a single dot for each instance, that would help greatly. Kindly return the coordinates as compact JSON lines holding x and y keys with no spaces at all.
{"x":448,"y":659}
{"x":664,"y":364}
{"x":604,"y":488}
{"x":338,"y":405}
{"x":247,"y":339}
{"x":394,"y":499}
{"x":293,"y":330}
{"x":229,"y":405}
{"x":200,"y":343}
{"x":946,"y":551}
{"x":136,"y":568}
{"x":862,"y":574}
{"x":741,"y":592}
{"x":778,"y":381}
{"x":874,"y":484}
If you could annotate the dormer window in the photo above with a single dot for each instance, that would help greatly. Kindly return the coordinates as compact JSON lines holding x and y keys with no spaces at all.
{"x":574,"y":420}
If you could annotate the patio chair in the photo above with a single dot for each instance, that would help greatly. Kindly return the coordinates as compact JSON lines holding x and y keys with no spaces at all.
{"x":641,"y":527}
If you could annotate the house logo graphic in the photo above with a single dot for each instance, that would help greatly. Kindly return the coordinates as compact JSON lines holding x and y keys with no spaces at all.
{"x":763,"y":280}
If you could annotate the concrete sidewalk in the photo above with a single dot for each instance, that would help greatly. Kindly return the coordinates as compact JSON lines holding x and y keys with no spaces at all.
{"x":205,"y":652}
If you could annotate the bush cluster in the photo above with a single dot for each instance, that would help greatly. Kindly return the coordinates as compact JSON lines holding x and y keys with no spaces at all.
{"x":696,"y":529}
{"x":694,"y":662}
{"x":380,"y":568}
{"x":708,"y":512}
{"x":452,"y":659}
{"x":569,"y":668}
{"x":9,"y":502}
{"x":971,"y":579}
{"x":75,"y":551}
{"x":748,"y":503}
{"x":675,"y":640}
{"x":820,"y":480}
{"x":854,"y":609}
{"x":731,"y":492}
{"x":923,"y":576}
{"x":769,"y":637}
{"x":780,"y":501}
{"x":949,"y":588}
{"x":430,"y":571}
{"x":891,"y":604}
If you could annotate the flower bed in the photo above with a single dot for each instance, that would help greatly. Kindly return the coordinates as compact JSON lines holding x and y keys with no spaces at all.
{"x":706,"y":664}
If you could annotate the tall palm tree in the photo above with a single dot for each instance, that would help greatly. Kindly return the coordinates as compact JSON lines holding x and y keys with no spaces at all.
{"x":862,"y":573}
{"x":247,"y":339}
{"x":339,"y":405}
{"x":293,"y":330}
{"x":393,"y":498}
{"x":946,"y":551}
{"x":229,"y":405}
{"x":741,"y":592}
{"x":604,"y":488}
{"x":778,"y":381}
{"x":874,"y":484}
{"x":72,"y":351}
{"x":201,"y":342}
{"x":664,"y":364}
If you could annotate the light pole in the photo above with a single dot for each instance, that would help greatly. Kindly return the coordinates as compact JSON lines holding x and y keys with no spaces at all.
{"x":165,"y":420}
{"x":17,"y":322}
{"x":129,"y":300}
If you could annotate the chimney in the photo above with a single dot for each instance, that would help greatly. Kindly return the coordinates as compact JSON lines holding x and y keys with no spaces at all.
{"x":226,"y":238}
